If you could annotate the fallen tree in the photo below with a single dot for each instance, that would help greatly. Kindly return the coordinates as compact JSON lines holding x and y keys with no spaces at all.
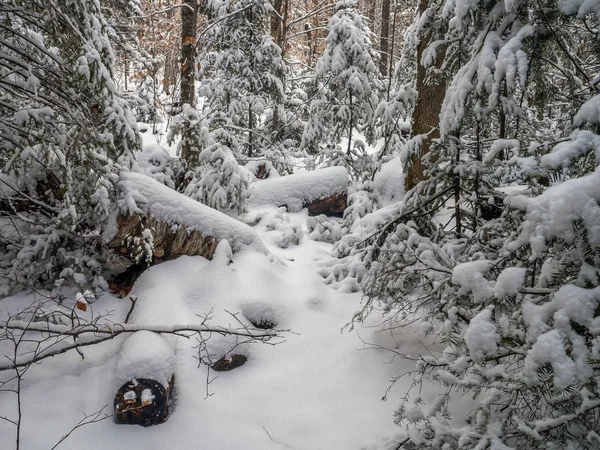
{"x":322,"y":191}
{"x":156,"y":224}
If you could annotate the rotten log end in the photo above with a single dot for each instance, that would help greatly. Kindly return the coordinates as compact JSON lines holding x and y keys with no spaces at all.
{"x":334,"y":205}
{"x":142,"y":401}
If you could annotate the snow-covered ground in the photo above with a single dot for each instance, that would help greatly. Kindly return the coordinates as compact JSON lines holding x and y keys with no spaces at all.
{"x":314,"y":390}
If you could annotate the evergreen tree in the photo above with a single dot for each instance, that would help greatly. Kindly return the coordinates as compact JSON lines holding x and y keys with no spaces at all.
{"x":66,"y":132}
{"x":348,"y":81}
{"x":498,"y":280}
{"x":240,"y":66}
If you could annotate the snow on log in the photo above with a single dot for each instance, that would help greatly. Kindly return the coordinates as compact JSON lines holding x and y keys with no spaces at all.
{"x":178,"y":224}
{"x":145,"y":374}
{"x":322,"y":191}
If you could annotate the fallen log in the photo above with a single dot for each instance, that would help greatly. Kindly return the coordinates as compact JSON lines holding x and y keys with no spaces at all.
{"x":322,"y":191}
{"x":169,"y":241}
{"x":334,"y":205}
{"x":158,"y":224}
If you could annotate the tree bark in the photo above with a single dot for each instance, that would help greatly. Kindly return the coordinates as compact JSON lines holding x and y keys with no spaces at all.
{"x":276,"y":23}
{"x":371,"y":14}
{"x":279,"y":33}
{"x":426,"y":116}
{"x":385,"y":38}
{"x":189,"y":19}
{"x":170,"y":58}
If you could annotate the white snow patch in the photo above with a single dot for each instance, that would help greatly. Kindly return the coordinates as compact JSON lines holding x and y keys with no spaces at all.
{"x":145,"y":355}
{"x":509,"y":282}
{"x":469,"y":276}
{"x":481,"y":337}
{"x":389,"y":181}
{"x":294,"y":191}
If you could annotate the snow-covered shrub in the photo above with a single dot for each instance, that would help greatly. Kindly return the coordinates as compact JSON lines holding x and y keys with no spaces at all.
{"x":348,"y":80}
{"x":513,"y":298}
{"x":283,"y":232}
{"x":359,"y":164}
{"x":241,"y":69}
{"x":220,"y":182}
{"x":189,"y":126}
{"x":360,"y":203}
{"x":325,"y":229}
{"x":156,"y":162}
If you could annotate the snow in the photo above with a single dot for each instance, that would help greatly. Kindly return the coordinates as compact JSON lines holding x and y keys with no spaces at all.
{"x":147,"y":396}
{"x":509,"y":282}
{"x":294,"y":191}
{"x":313,"y":390}
{"x":551,"y":214}
{"x":389,"y":181}
{"x":142,"y":194}
{"x":549,"y":348}
{"x":155,"y":161}
{"x":581,"y":142}
{"x":481,"y":337}
{"x":145,"y":355}
{"x":469,"y":276}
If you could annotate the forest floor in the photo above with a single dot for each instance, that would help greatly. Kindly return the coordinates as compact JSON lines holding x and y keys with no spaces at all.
{"x":318,"y":388}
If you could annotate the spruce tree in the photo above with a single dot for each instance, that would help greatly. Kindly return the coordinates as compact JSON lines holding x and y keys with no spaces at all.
{"x":66,"y":134}
{"x":347,"y":79}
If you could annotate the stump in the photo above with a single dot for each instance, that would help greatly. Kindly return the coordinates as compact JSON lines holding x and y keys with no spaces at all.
{"x":261,"y":172}
{"x":227,"y":363}
{"x":145,"y":373}
{"x":142,"y":401}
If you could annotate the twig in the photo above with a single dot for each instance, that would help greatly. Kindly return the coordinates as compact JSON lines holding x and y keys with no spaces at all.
{"x":133,"y":299}
{"x":87,"y":420}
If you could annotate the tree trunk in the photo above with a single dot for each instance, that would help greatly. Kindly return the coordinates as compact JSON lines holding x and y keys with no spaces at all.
{"x":385,"y":38}
{"x":170,"y":60}
{"x":189,"y":19}
{"x":371,"y":14}
{"x":350,"y":126}
{"x":250,"y":132}
{"x":426,"y":116}
{"x":279,"y":33}
{"x":276,"y":24}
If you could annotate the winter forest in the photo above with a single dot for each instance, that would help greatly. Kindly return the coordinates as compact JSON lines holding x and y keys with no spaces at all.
{"x":301,"y":224}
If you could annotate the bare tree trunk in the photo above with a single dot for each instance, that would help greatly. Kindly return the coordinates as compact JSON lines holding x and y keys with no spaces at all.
{"x":426,"y":116}
{"x":371,"y":14}
{"x":250,"y":132}
{"x":457,"y":210}
{"x":279,"y":32}
{"x":170,"y":60}
{"x":385,"y":37}
{"x":502,"y":119}
{"x":350,"y":126}
{"x":276,"y":23}
{"x":189,"y":19}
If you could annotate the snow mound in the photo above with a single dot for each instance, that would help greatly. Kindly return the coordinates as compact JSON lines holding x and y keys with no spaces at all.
{"x":144,"y":195}
{"x":294,"y":191}
{"x":262,"y":315}
{"x":145,"y":355}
